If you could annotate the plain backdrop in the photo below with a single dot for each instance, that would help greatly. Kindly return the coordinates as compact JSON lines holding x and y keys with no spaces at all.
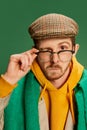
{"x":17,"y":15}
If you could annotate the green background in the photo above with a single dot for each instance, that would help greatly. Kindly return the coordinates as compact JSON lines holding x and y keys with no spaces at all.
{"x":16,"y":15}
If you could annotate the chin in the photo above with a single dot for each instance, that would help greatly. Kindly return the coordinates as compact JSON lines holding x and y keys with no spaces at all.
{"x":53,"y":77}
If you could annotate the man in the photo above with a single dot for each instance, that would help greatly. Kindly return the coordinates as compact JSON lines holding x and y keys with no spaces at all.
{"x":45,"y":88}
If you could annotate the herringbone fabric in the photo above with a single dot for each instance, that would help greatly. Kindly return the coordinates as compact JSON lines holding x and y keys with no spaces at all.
{"x":52,"y":26}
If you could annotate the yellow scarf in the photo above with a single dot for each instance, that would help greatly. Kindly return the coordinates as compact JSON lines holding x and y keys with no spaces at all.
{"x":58,"y":101}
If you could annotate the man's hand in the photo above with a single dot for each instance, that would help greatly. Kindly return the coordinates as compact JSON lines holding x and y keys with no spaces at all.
{"x":19,"y":65}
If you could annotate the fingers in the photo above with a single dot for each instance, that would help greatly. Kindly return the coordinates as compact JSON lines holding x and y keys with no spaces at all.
{"x":24,"y":60}
{"x":33,"y":50}
{"x":32,"y":53}
{"x":30,"y":56}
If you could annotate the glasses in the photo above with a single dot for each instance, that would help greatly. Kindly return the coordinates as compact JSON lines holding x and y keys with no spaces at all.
{"x":63,"y":55}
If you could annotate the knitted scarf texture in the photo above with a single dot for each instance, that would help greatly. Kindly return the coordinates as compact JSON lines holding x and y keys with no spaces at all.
{"x":22,"y":110}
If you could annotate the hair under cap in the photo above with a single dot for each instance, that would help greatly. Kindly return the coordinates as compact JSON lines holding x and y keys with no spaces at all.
{"x":52,"y":26}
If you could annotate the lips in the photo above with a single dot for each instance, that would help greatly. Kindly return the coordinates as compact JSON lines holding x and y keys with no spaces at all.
{"x":54,"y":67}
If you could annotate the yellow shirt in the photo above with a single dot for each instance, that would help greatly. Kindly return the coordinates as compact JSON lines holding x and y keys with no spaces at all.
{"x":59,"y":101}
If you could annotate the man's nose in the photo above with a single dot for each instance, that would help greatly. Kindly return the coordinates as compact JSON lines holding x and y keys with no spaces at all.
{"x":54,"y":58}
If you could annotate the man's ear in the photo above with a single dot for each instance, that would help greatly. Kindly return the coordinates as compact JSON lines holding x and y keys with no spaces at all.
{"x":76,"y":48}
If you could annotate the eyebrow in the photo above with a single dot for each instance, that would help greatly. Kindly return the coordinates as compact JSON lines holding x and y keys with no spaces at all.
{"x":65,"y":42}
{"x":45,"y":49}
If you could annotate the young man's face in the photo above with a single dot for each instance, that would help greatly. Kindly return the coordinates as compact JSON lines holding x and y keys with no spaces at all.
{"x":54,"y":65}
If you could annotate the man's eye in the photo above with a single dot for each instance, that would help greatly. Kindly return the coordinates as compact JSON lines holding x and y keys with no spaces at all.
{"x":63,"y":47}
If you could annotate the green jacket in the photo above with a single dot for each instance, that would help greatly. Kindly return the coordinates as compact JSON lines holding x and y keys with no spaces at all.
{"x":81,"y":103}
{"x":22,"y":110}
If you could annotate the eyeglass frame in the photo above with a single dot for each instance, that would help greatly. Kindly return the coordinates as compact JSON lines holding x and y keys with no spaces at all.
{"x":52,"y":52}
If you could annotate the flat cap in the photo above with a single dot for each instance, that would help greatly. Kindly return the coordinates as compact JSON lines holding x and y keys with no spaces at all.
{"x":53,"y":26}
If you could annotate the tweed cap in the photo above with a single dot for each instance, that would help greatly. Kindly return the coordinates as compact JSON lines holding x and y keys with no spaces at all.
{"x":52,"y":26}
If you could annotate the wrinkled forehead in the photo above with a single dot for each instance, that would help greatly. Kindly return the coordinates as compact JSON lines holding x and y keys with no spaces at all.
{"x":54,"y":42}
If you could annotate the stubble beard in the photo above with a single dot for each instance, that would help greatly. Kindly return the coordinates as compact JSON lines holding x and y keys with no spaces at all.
{"x":54,"y":72}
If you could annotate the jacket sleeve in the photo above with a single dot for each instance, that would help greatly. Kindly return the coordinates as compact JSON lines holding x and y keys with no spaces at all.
{"x":3,"y":104}
{"x":5,"y":92}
